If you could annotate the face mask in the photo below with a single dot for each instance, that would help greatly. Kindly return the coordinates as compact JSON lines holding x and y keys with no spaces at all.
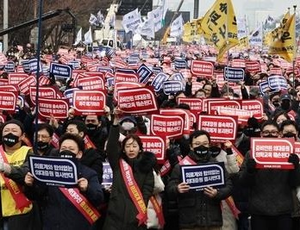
{"x":285,"y":104}
{"x":67,"y":154}
{"x":127,"y":126}
{"x":201,"y":150}
{"x":42,"y":145}
{"x":214,"y":151}
{"x":91,"y":127}
{"x":290,"y":134}
{"x":276,"y":103}
{"x":10,"y":139}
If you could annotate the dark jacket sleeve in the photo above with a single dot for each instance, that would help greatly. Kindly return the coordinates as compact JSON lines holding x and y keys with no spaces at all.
{"x":112,"y":147}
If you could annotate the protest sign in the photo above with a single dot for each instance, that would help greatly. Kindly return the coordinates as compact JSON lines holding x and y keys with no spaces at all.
{"x":44,"y":91}
{"x":60,"y":70}
{"x":8,"y":101}
{"x":234,"y":74}
{"x":201,"y":176}
{"x":87,"y":102}
{"x":167,"y":126}
{"x":55,"y":171}
{"x":107,"y":177}
{"x":202,"y":68}
{"x":220,"y":128}
{"x":272,"y":152}
{"x":156,"y":145}
{"x":58,"y":108}
{"x":137,"y":100}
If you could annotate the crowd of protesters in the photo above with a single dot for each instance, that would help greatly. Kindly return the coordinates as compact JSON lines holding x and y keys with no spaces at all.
{"x":140,"y":197}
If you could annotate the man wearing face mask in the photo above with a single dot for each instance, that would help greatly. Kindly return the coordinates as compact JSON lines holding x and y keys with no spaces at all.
{"x":270,"y":190}
{"x":96,"y":130}
{"x":198,"y":209}
{"x":17,"y":211}
{"x":285,"y":104}
{"x":44,"y":137}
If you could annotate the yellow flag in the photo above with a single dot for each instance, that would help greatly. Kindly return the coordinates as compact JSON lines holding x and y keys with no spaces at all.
{"x":284,"y":42}
{"x":219,"y":23}
{"x":187,"y":32}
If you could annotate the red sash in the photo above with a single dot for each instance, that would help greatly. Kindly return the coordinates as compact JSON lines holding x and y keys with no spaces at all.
{"x":134,"y":191}
{"x":165,"y":168}
{"x":55,"y":141}
{"x":15,"y":191}
{"x":230,"y":202}
{"x":82,"y":204}
{"x":88,"y":143}
{"x":158,"y":211}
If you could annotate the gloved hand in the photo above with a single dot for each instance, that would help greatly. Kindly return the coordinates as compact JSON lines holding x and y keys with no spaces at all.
{"x":251,"y":166}
{"x":294,"y":159}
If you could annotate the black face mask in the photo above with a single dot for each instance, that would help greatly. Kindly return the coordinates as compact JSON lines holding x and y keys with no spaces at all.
{"x":252,"y":132}
{"x":10,"y":139}
{"x":91,"y":127}
{"x":290,"y":134}
{"x":285,"y":104}
{"x":201,"y":150}
{"x":42,"y":145}
{"x":214,"y":151}
{"x":276,"y":103}
{"x":67,"y":154}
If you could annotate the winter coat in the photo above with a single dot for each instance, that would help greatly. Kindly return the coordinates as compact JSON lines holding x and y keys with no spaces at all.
{"x":270,"y":189}
{"x":121,"y":213}
{"x":195,"y":208}
{"x":58,"y":213}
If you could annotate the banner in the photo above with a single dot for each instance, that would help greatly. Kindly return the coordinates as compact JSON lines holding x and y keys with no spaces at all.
{"x":201,"y":176}
{"x":16,"y":78}
{"x":172,"y":87}
{"x":277,"y":83}
{"x":213,"y":105}
{"x":255,"y":106}
{"x":137,"y":100}
{"x":89,"y":82}
{"x":195,"y":104}
{"x":158,"y":81}
{"x":144,"y":73}
{"x":272,"y":152}
{"x":54,"y":171}
{"x":25,"y":84}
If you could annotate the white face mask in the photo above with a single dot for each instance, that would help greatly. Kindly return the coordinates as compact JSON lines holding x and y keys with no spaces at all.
{"x":126,"y":125}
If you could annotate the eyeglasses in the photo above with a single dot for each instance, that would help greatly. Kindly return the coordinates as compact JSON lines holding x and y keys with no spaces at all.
{"x":43,"y":137}
{"x":268,"y":132}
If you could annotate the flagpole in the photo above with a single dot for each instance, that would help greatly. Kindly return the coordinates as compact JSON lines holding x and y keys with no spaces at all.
{"x":294,"y":50}
{"x":38,"y":52}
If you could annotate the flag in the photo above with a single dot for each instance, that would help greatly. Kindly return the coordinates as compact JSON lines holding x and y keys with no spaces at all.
{"x":146,"y":28}
{"x":131,"y":21}
{"x":165,"y":9}
{"x":243,"y":43}
{"x":93,"y":20}
{"x":284,"y":43}
{"x":219,"y":23}
{"x":88,"y":38}
{"x":176,"y":28}
{"x":269,"y":20}
{"x":100,"y":18}
{"x":156,"y":16}
{"x":242,"y":28}
{"x":78,"y":37}
{"x":256,"y":37}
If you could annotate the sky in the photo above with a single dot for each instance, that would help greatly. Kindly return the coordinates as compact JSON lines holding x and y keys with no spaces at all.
{"x":243,"y":8}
